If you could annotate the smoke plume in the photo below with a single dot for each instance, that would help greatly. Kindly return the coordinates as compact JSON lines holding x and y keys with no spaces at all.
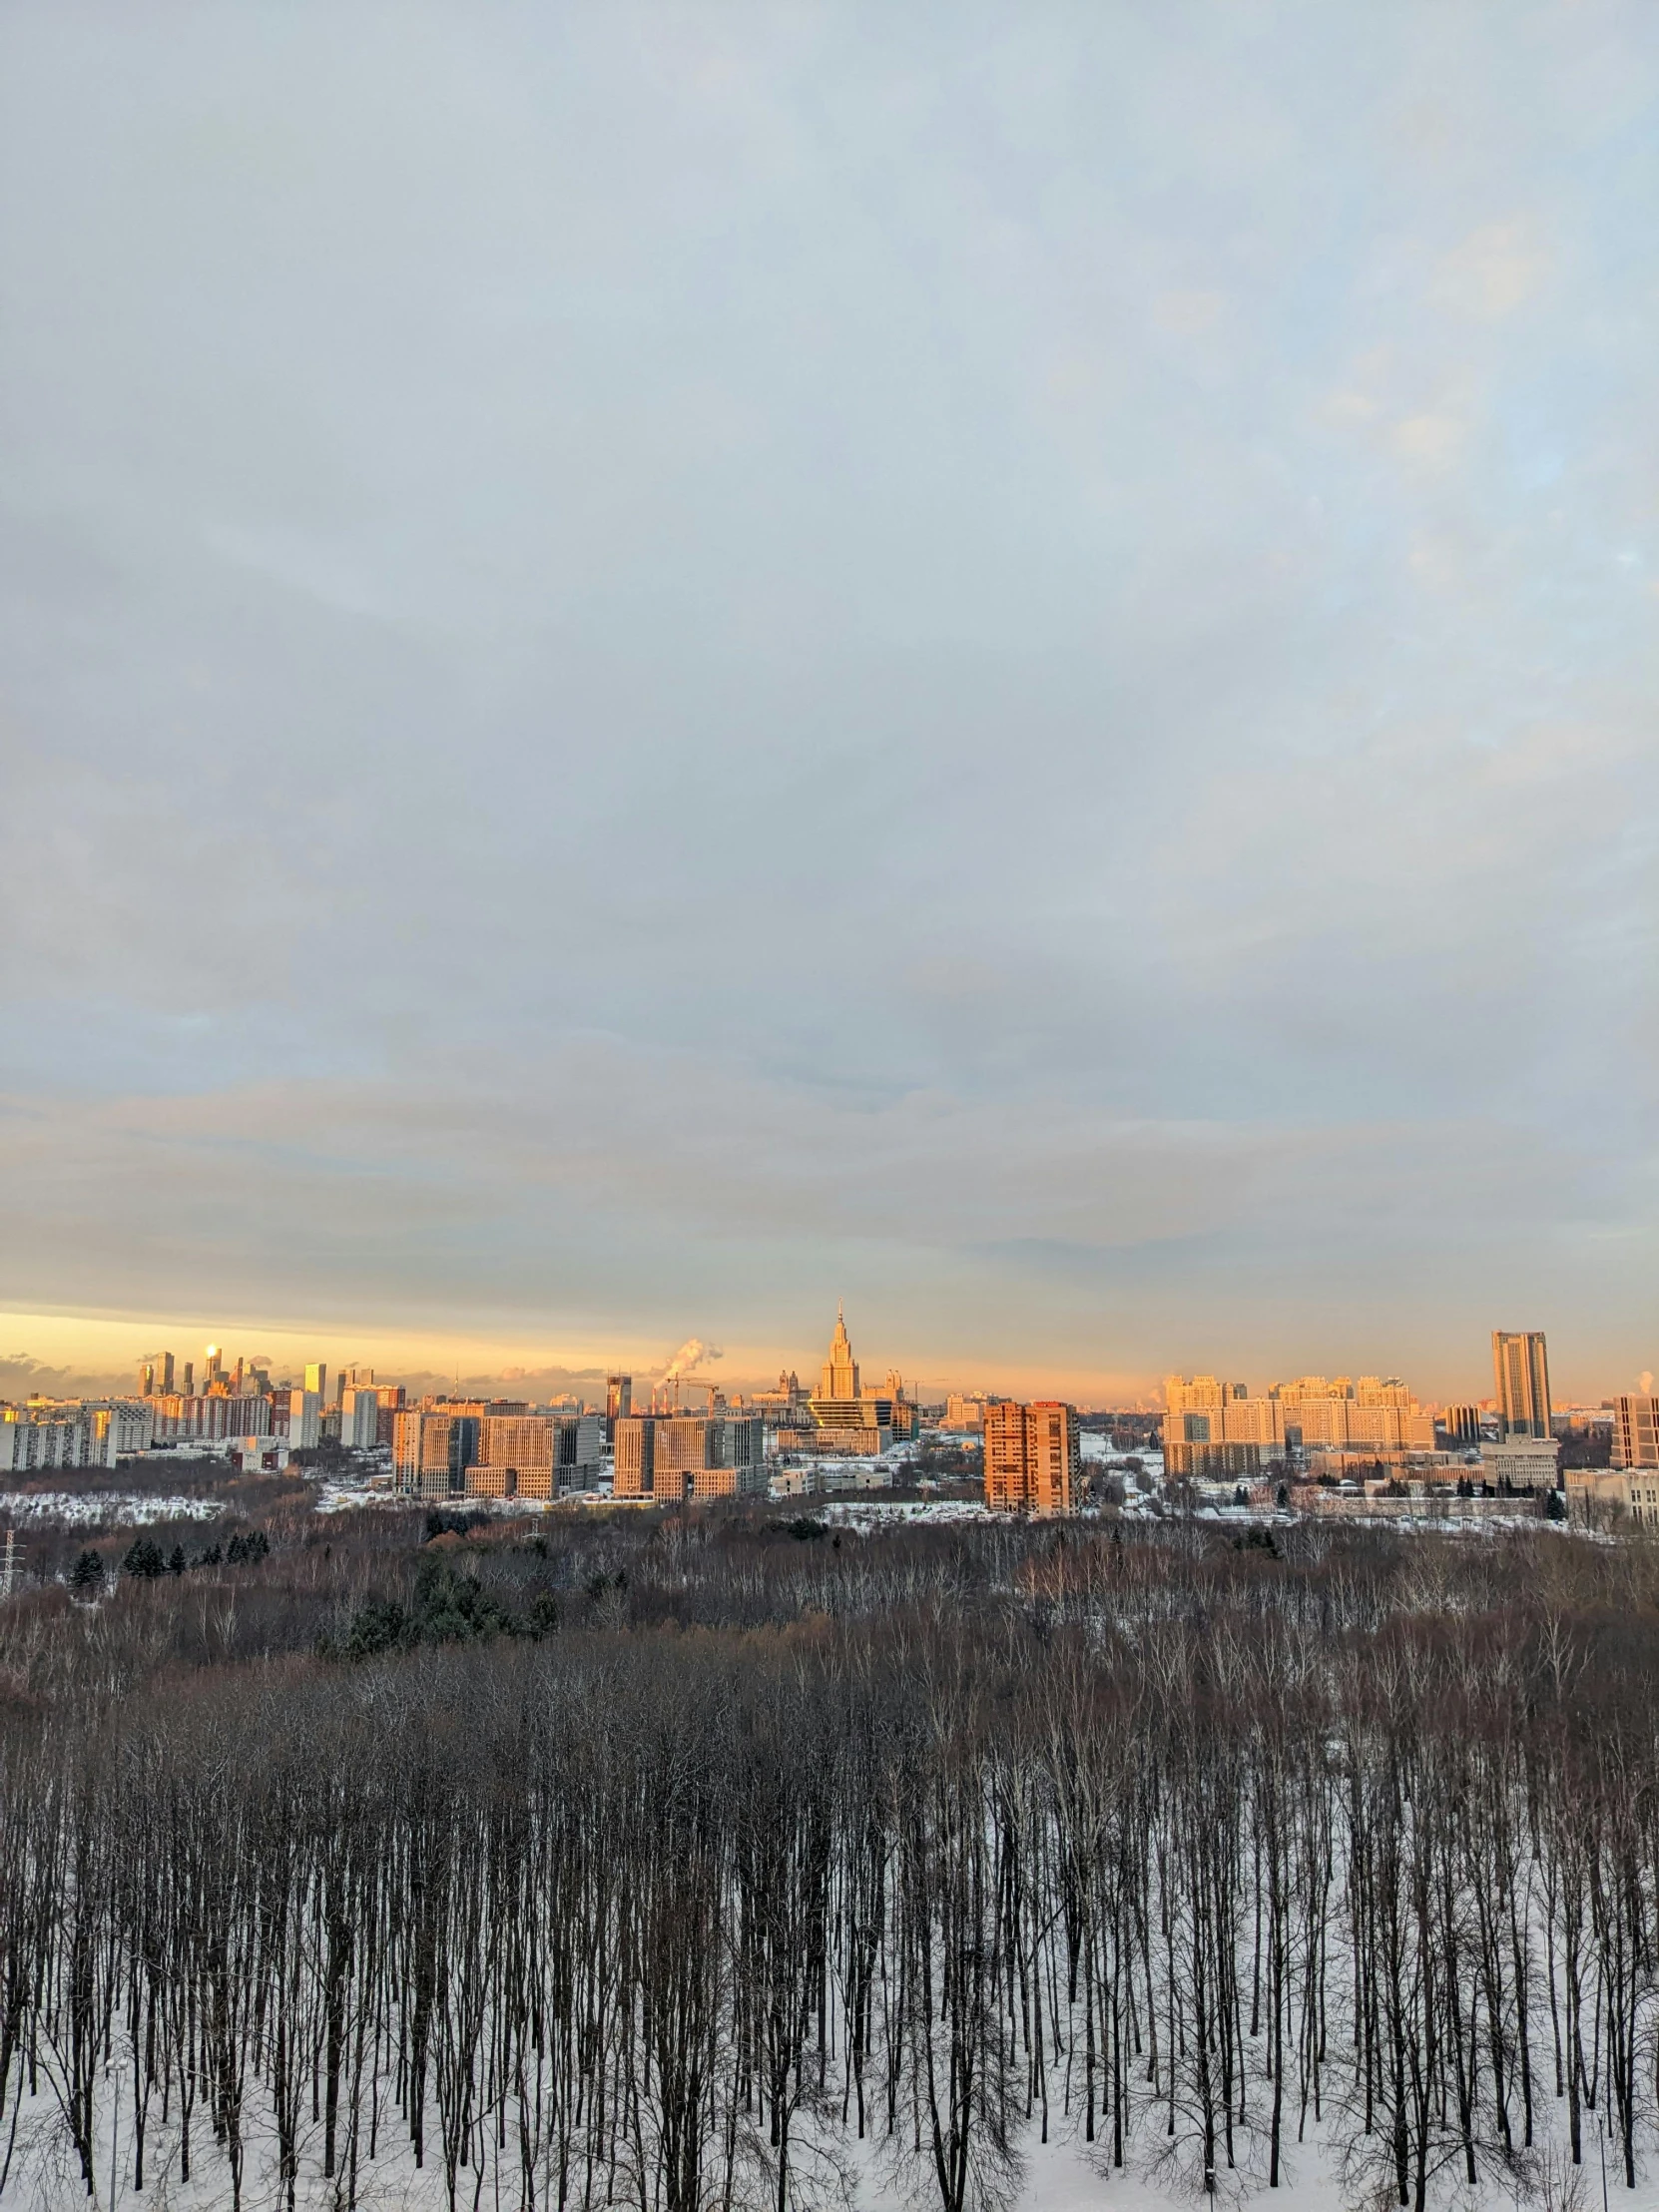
{"x":691,"y":1356}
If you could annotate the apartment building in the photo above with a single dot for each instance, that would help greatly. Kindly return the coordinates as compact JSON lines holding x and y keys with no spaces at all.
{"x":673,"y":1457}
{"x":431,"y":1451}
{"x":634,"y":1473}
{"x":1219,"y":1429}
{"x":72,"y":1433}
{"x":1033,"y":1456}
{"x":1636,"y":1432}
{"x":182,"y":1417}
{"x":535,"y":1455}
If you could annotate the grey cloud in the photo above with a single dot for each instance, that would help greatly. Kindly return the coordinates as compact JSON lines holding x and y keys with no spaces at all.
{"x":656,"y":656}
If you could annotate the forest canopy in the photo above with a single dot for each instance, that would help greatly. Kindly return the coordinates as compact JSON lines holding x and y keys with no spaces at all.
{"x":688,"y":1862}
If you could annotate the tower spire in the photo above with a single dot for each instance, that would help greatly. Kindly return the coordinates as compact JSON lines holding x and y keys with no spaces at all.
{"x":840,"y":1379}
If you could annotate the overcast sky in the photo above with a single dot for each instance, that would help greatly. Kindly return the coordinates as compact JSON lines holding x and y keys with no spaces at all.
{"x":659,"y":663}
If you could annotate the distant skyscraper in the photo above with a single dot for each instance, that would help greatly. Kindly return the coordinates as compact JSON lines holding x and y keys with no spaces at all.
{"x":848,"y":1419}
{"x":838,"y":1378}
{"x":155,"y":1376}
{"x":1522,"y":1374}
{"x":1032,"y":1456}
{"x":316,"y":1378}
{"x":619,"y":1401}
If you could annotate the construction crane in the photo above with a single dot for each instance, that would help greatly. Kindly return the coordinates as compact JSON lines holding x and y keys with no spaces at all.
{"x":697,"y":1382}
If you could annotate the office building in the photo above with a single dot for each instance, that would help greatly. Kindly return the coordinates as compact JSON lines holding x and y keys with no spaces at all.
{"x":1520,"y":1463}
{"x":1032,"y":1456}
{"x":1636,"y":1432}
{"x":155,"y":1376}
{"x":1522,"y":1376}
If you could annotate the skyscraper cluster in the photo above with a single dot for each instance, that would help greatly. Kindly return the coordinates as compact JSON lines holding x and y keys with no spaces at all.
{"x":243,"y":1400}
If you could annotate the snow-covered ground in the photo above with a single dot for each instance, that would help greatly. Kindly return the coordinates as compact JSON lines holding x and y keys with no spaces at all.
{"x":1065,"y":2175}
{"x":103,"y":1508}
{"x":865,"y":1512}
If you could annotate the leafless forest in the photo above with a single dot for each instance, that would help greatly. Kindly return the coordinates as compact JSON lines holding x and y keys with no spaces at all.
{"x":722,"y":1861}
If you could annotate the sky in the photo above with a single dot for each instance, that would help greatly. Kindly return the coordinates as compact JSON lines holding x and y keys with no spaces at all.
{"x":663,"y":664}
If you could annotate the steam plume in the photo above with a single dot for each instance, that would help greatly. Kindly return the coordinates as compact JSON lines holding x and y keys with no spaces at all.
{"x":690,"y":1357}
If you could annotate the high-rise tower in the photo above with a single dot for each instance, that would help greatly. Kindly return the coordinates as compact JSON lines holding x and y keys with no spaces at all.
{"x":1522,"y":1374}
{"x":1032,"y":1456}
{"x":838,"y":1380}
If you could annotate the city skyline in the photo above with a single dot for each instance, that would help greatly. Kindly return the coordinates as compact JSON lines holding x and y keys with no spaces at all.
{"x":655,"y":661}
{"x":95,"y":1353}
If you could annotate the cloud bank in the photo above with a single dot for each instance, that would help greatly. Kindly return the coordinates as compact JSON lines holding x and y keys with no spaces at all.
{"x":656,"y":664}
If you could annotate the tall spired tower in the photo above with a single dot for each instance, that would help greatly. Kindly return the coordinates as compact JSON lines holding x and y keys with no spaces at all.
{"x":838,"y":1378}
{"x":843,"y":1418}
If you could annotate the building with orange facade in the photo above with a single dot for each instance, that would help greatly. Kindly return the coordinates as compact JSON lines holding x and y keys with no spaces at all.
{"x":1033,"y":1456}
